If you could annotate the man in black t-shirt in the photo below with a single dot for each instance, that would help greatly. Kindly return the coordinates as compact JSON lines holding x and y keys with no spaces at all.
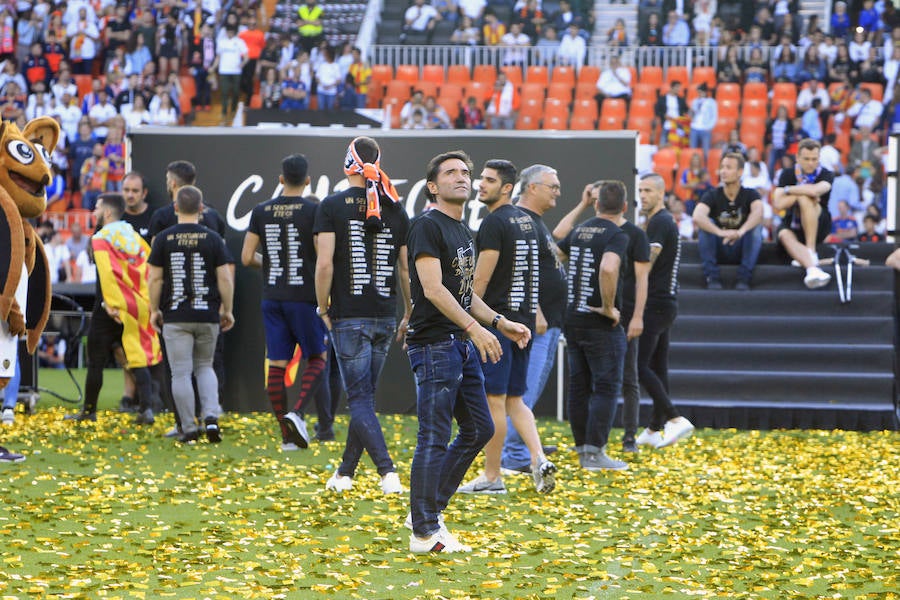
{"x":282,"y":228}
{"x":804,"y":193}
{"x":357,"y":294}
{"x":666,"y":426}
{"x":539,"y":190}
{"x":179,"y":174}
{"x":137,"y":211}
{"x":729,"y":218}
{"x":595,"y":341}
{"x":445,"y":341}
{"x":191,"y":293}
{"x":507,"y":277}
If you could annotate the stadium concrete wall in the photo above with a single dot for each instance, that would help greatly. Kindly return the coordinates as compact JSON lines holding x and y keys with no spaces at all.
{"x":239,"y":168}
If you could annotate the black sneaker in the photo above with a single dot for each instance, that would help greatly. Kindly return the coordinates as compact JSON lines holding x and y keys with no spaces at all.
{"x":629,"y":445}
{"x":742,"y":286}
{"x":713,"y":283}
{"x":189,"y":437}
{"x":213,"y":433}
{"x":81,"y":416}
{"x":128,"y":405}
{"x":145,"y":418}
{"x":10,"y":457}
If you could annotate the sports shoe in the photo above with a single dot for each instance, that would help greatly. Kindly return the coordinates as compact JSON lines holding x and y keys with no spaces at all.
{"x":145,"y":418}
{"x":390,"y":483}
{"x":713,"y":283}
{"x":675,"y":430}
{"x":325,"y":434}
{"x":81,"y":416}
{"x":127,"y":405}
{"x":289,"y":447}
{"x":8,"y":417}
{"x":812,"y":254}
{"x":440,"y":541}
{"x":816,"y":278}
{"x":523,"y":470}
{"x":296,"y":427}
{"x":649,"y":438}
{"x":547,"y":450}
{"x":11,"y":457}
{"x":599,"y":461}
{"x":339,"y":483}
{"x":742,"y":286}
{"x":174,"y":432}
{"x":213,"y":433}
{"x":408,"y":521}
{"x":188,"y":438}
{"x":481,"y":485}
{"x":629,"y":445}
{"x":544,"y":475}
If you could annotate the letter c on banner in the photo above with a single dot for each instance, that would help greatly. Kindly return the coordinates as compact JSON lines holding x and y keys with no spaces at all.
{"x":242,"y":223}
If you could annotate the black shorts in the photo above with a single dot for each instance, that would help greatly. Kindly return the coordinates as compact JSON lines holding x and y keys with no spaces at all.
{"x":822,"y":231}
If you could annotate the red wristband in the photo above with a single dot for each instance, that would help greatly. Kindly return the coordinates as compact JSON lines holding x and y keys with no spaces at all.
{"x":469,"y":325}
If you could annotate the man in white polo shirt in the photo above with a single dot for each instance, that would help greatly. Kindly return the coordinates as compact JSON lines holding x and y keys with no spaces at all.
{"x":420,"y":18}
{"x":865,"y":112}
{"x":231,"y":54}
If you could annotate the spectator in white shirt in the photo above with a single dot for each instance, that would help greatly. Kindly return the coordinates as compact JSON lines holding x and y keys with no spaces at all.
{"x":231,"y":55}
{"x":64,"y":85}
{"x":676,"y":31}
{"x":756,"y":174}
{"x":83,"y":39}
{"x":859,"y":47}
{"x":135,"y":113}
{"x":704,"y":114}
{"x":572,"y":47}
{"x":891,"y":71}
{"x":829,"y":156}
{"x":69,"y":116}
{"x":164,"y":113}
{"x":814,"y":89}
{"x":865,"y":112}
{"x":474,"y":9}
{"x":420,"y":18}
{"x":614,"y":82}
{"x":101,"y":114}
{"x":515,"y":43}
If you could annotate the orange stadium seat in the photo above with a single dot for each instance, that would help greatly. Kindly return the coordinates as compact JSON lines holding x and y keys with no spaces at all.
{"x":563,"y":75}
{"x":561,"y":90}
{"x":458,"y":74}
{"x":84,"y":84}
{"x":784,"y":93}
{"x":677,"y":73}
{"x":527,"y":122}
{"x":645,"y":90}
{"x":586,"y":107}
{"x":453,"y":91}
{"x":485,"y":73}
{"x":753,"y":132}
{"x":408,"y":73}
{"x":556,"y":120}
{"x":556,"y":107}
{"x":728,"y":91}
{"x":610,"y":123}
{"x":514,"y":75}
{"x":705,"y":75}
{"x":399,"y":88}
{"x":756,"y":89}
{"x":255,"y":101}
{"x":533,"y":90}
{"x":790,"y":105}
{"x":582,"y":123}
{"x":532,"y":106}
{"x":613,"y":107}
{"x":433,"y":73}
{"x":730,"y":108}
{"x":428,"y":88}
{"x":651,"y":76}
{"x":589,"y":74}
{"x":188,"y":85}
{"x":479,"y":89}
{"x":585,"y":90}
{"x":451,"y":105}
{"x":642,"y":108}
{"x":537,"y":74}
{"x":876,"y":88}
{"x":724,"y":127}
{"x":664,"y":162}
{"x":712,"y":165}
{"x":641,"y":124}
{"x":684,"y":157}
{"x":753,"y":107}
{"x":396,"y":104}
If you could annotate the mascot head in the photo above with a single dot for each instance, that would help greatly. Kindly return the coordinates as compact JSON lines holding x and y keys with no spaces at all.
{"x":25,"y":163}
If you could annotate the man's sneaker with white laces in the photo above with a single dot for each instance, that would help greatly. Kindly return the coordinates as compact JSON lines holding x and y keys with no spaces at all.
{"x":649,"y":438}
{"x":390,"y":483}
{"x":407,"y":522}
{"x":8,"y":417}
{"x":816,"y":278}
{"x":213,"y":433}
{"x":482,"y":485}
{"x":544,"y":475}
{"x":440,"y":541}
{"x":599,"y":461}
{"x":339,"y":483}
{"x":675,"y":430}
{"x":289,"y":447}
{"x":296,"y":427}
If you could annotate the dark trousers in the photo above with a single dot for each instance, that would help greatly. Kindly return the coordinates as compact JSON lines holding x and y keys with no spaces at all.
{"x":229,"y":84}
{"x":653,"y":362}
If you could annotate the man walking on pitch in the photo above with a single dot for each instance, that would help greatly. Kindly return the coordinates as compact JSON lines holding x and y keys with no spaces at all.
{"x":449,"y":380}
{"x":361,"y":238}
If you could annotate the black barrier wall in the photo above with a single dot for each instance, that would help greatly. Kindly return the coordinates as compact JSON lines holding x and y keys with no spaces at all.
{"x":239,"y":168}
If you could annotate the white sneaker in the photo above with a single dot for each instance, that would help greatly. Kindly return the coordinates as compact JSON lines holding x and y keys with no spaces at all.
{"x":812,"y":254}
{"x":440,"y":541}
{"x":296,"y":427}
{"x":649,"y":438}
{"x":599,"y":461}
{"x":408,"y":521}
{"x":9,"y":417}
{"x":816,"y":278}
{"x":544,"y":475}
{"x":675,"y":430}
{"x":339,"y":483}
{"x":390,"y":483}
{"x":289,"y":447}
{"x":482,"y":485}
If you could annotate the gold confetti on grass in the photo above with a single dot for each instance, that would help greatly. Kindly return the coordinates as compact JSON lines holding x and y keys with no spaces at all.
{"x":109,"y":510}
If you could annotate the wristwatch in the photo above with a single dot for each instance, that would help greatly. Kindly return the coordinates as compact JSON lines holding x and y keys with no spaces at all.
{"x":496,"y":320}
{"x":321,"y":312}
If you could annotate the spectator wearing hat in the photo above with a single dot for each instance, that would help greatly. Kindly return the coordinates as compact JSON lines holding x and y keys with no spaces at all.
{"x":704,"y":113}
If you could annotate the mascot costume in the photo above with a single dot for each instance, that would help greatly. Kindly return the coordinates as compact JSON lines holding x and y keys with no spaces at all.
{"x":25,"y":290}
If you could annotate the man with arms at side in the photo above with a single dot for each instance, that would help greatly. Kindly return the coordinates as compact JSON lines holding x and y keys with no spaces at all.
{"x":729,"y":218}
{"x":539,"y":190}
{"x":667,"y":427}
{"x":595,"y":340}
{"x":282,"y":230}
{"x":507,"y":278}
{"x":191,"y":294}
{"x":803,"y":192}
{"x":361,"y":239}
{"x":446,"y":341}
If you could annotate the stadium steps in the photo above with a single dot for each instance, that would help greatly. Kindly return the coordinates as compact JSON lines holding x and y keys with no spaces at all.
{"x":605,"y":16}
{"x":782,"y":356}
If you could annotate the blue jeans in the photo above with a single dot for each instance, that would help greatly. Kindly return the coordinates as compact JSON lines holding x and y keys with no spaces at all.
{"x":596,"y":360}
{"x":744,"y":253}
{"x":449,"y":384}
{"x":701,"y":138}
{"x":11,"y":391}
{"x":540,"y":365}
{"x":361,"y":347}
{"x":326,"y":101}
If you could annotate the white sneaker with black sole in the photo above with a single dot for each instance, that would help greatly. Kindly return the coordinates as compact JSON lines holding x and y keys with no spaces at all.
{"x":482,"y":485}
{"x":296,"y":427}
{"x":544,"y":475}
{"x":339,"y":483}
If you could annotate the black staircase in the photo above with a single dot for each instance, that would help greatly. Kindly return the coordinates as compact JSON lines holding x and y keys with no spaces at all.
{"x":782,"y":356}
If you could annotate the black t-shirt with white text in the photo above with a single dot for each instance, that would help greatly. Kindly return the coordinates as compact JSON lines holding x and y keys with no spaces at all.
{"x":552,"y":289}
{"x":586,"y":245}
{"x":141,"y":223}
{"x":662,"y":289}
{"x":364,"y":284}
{"x":440,"y":236}
{"x":165,"y":217}
{"x":285,"y":229}
{"x":789,"y":177}
{"x":513,"y":288}
{"x":729,"y":214}
{"x":189,"y":255}
{"x":638,"y":251}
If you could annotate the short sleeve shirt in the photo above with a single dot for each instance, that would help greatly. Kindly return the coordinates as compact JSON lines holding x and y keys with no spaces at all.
{"x":789,"y":177}
{"x":285,"y":229}
{"x":662,"y":232}
{"x":586,"y":245}
{"x":513,"y":288}
{"x":364,"y":282}
{"x":189,"y":255}
{"x":638,"y":251}
{"x":552,"y":288}
{"x":165,"y":217}
{"x":440,"y":236}
{"x":725,"y":213}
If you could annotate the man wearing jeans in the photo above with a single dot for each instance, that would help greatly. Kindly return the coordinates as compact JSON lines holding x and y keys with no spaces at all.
{"x":595,"y":340}
{"x":360,"y":242}
{"x":539,"y":191}
{"x":445,"y":341}
{"x":191,"y":293}
{"x":729,"y":218}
